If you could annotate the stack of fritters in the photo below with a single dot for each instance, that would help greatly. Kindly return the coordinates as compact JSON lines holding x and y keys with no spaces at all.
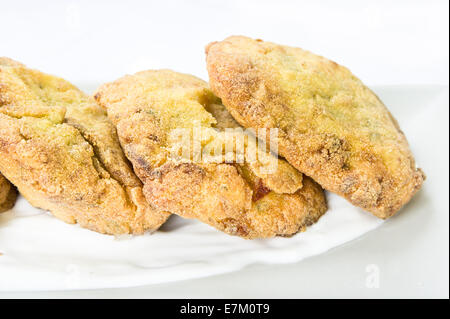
{"x":63,"y":149}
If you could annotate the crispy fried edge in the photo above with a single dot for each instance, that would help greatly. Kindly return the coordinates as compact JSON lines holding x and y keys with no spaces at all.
{"x":9,"y":194}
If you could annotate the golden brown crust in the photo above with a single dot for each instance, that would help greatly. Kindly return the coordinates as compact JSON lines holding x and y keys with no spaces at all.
{"x":145,"y":108}
{"x":286,"y":179}
{"x":8,"y":194}
{"x":58,"y":147}
{"x":332,"y":127}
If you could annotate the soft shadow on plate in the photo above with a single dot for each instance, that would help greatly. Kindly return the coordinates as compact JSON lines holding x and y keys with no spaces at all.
{"x":19,"y":211}
{"x":173,"y":223}
{"x":416,"y":216}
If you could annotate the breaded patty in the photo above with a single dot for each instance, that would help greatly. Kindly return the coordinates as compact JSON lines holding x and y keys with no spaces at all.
{"x":331,"y":126}
{"x":236,"y":198}
{"x":60,"y":150}
{"x":8,"y":194}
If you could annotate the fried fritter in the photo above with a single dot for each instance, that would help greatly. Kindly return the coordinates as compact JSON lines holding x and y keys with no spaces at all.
{"x":8,"y":194}
{"x":60,"y":150}
{"x":331,"y":126}
{"x":232,"y":197}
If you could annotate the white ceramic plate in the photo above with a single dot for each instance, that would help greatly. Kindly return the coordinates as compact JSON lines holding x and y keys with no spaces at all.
{"x":42,"y":253}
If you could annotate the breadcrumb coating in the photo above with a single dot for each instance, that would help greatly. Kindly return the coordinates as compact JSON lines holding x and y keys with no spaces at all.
{"x":331,"y":126}
{"x":234,"y":198}
{"x":60,"y":150}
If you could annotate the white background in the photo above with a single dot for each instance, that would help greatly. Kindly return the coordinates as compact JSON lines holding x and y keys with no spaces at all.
{"x":382,"y":42}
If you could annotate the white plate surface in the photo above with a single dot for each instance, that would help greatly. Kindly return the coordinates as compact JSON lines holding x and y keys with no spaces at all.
{"x":42,"y":253}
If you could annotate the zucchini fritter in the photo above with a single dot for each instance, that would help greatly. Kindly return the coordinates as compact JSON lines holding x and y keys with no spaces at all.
{"x":331,"y":126}
{"x":60,"y":150}
{"x":234,"y":198}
